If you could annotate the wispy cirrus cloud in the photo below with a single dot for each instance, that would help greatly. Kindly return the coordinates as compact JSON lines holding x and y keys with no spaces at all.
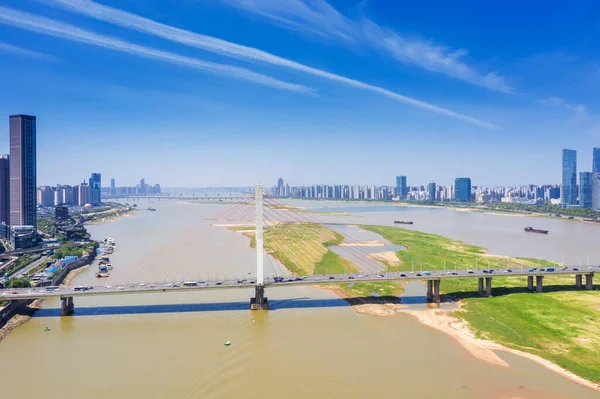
{"x":50,"y":27}
{"x":318,"y":16}
{"x":579,"y":110}
{"x":222,"y":47}
{"x":9,"y":48}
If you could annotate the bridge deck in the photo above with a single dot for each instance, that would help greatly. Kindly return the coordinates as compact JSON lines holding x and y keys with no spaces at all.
{"x":136,"y":288}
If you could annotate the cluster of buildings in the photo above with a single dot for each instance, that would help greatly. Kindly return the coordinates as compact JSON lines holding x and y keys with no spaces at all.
{"x":461,"y":191}
{"x":587,"y":193}
{"x":567,"y":194}
{"x":86,"y":193}
{"x":142,"y":188}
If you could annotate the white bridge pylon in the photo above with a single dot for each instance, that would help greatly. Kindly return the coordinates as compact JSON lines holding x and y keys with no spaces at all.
{"x":260,"y":280}
{"x":259,"y":302}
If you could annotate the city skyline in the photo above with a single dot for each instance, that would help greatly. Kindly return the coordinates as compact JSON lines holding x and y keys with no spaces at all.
{"x":485,"y":104}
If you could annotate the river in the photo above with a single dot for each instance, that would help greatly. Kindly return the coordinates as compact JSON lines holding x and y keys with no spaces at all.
{"x":310,"y":345}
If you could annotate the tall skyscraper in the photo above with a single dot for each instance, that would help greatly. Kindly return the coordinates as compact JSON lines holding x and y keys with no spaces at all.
{"x":4,"y":189}
{"x":596,"y":191}
{"x":568,"y":188}
{"x":585,"y":189}
{"x":23,"y":175}
{"x":462,"y":189}
{"x":95,"y":188}
{"x":142,"y":186}
{"x":596,"y":160}
{"x":431,"y":192}
{"x":113,"y":188}
{"x":401,"y":191}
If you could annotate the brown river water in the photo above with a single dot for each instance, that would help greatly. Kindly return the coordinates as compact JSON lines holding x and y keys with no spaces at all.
{"x":311,"y":345}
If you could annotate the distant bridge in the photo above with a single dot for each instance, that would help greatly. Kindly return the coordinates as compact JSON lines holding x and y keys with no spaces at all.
{"x":178,"y":197}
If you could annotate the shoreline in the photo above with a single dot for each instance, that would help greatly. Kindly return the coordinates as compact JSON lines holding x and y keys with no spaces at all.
{"x":110,"y":218}
{"x":24,"y":315}
{"x":444,"y":321}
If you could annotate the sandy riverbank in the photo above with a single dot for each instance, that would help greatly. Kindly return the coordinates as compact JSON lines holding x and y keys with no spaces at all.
{"x":387,"y":256}
{"x":72,"y":274}
{"x":110,"y":217}
{"x":21,"y":318}
{"x":444,"y":321}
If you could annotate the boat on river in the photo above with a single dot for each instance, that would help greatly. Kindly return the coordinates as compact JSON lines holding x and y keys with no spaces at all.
{"x":403,"y":222}
{"x":532,"y":230}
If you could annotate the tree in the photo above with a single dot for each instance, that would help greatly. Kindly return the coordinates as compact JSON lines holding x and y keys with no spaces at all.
{"x":18,"y":283}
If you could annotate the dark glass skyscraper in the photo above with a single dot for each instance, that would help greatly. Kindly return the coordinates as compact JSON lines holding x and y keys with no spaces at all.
{"x":113,"y":188}
{"x":431,"y":192}
{"x":23,"y":174}
{"x":401,"y":190}
{"x":568,"y":189}
{"x":95,"y":188}
{"x":4,"y":189}
{"x":585,"y":189}
{"x":462,"y":189}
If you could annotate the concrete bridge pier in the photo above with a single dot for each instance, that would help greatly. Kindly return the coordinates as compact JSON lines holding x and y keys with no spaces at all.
{"x":259,"y":302}
{"x":480,"y":286}
{"x":578,"y":281}
{"x":488,"y":286}
{"x":539,"y":283}
{"x":430,"y":290}
{"x":530,"y":283}
{"x":589,"y":281}
{"x":436,"y":290}
{"x":66,"y":306}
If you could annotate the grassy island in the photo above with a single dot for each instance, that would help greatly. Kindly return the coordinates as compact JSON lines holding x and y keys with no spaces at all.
{"x":561,"y":324}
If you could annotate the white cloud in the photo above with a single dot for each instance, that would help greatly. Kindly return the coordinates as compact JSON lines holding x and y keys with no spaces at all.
{"x":212,"y":44}
{"x":557,"y":102}
{"x":9,"y":48}
{"x":57,"y":29}
{"x":320,"y":17}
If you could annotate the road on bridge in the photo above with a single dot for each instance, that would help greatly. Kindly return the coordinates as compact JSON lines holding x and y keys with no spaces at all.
{"x":149,"y":287}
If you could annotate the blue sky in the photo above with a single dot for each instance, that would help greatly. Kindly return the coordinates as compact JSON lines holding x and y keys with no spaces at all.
{"x":233,"y":92}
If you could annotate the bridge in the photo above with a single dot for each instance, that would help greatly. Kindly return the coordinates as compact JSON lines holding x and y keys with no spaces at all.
{"x":178,"y":197}
{"x":433,"y":279}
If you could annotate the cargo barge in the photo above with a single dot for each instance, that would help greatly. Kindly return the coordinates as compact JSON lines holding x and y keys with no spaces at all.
{"x":402,"y":222}
{"x":532,"y":230}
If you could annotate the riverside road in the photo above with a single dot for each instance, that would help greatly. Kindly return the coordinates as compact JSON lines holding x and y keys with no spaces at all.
{"x":202,"y":285}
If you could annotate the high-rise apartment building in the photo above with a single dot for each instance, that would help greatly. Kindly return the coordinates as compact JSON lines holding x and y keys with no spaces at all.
{"x":401,"y":189}
{"x":568,"y":188}
{"x":142,"y":189}
{"x":431,"y":192}
{"x":83,"y":194}
{"x":596,"y":191}
{"x":462,"y":189}
{"x":4,"y":189}
{"x":23,"y":174}
{"x":585,"y":189}
{"x":113,"y":188}
{"x":596,"y":160}
{"x":95,"y":188}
